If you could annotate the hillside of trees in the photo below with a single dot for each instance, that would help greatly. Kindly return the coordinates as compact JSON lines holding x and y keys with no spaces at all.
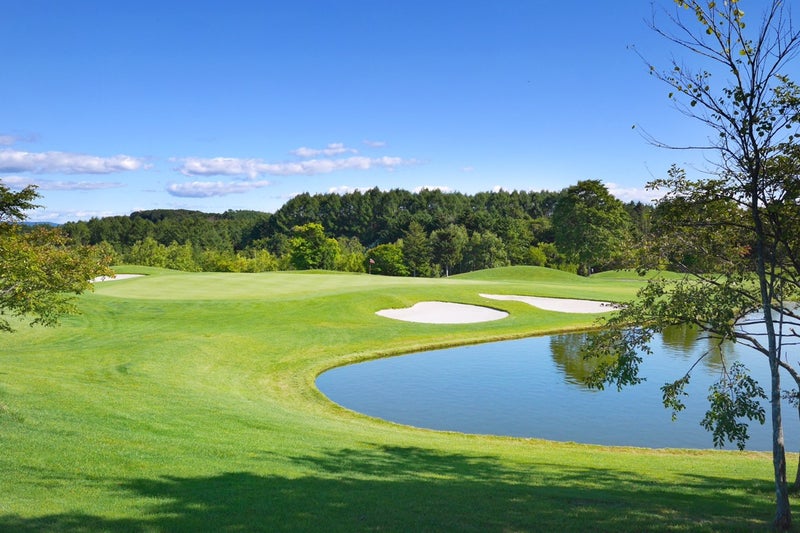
{"x":397,"y":232}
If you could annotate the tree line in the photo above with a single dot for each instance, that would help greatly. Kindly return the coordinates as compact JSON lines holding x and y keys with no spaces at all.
{"x":429,"y":233}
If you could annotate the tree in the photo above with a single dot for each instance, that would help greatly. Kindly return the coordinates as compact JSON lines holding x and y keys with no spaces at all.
{"x":517,"y":236}
{"x":417,"y":249}
{"x":148,"y":252}
{"x":352,"y":255}
{"x":537,"y":256}
{"x":388,"y":260}
{"x":355,"y":216}
{"x":14,"y":204}
{"x":213,"y":260}
{"x":746,"y":210}
{"x":301,"y":209}
{"x":181,"y":257}
{"x":311,"y":249}
{"x":40,"y":273}
{"x":261,"y":261}
{"x":591,"y":227}
{"x":485,"y":250}
{"x":448,"y":246}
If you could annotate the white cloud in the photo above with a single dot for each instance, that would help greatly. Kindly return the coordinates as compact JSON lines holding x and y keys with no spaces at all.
{"x":468,"y":169}
{"x":16,"y":181}
{"x":207,"y":189}
{"x":432,"y":188}
{"x":375,"y":144}
{"x":9,"y":139}
{"x":66,"y":163}
{"x":346,"y":189}
{"x":252,"y":168}
{"x":221,"y":166}
{"x":53,"y":185}
{"x":331,"y":150}
{"x":58,"y":217}
{"x":633,"y":194}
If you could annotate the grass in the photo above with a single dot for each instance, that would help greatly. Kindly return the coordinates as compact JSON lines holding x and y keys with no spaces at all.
{"x":185,"y":402}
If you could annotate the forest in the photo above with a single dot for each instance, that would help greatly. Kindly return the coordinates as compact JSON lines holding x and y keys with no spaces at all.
{"x":580,"y":229}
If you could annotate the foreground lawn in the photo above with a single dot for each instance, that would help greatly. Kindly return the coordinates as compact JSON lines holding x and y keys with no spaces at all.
{"x":186,"y":402}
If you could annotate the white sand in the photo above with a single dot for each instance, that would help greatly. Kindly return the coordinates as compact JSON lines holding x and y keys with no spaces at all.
{"x":452,"y":313}
{"x":562,"y":305}
{"x":443,"y":313}
{"x":116,"y":277}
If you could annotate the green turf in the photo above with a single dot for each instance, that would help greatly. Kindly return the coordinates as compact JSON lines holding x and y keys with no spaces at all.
{"x":186,"y":402}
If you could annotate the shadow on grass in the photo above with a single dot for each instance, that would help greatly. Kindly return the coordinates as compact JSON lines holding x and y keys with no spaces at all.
{"x":413,"y":489}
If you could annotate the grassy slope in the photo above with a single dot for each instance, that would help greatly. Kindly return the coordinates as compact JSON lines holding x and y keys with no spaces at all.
{"x":180,"y":402}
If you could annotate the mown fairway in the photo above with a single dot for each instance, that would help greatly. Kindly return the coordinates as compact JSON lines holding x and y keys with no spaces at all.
{"x":186,"y":402}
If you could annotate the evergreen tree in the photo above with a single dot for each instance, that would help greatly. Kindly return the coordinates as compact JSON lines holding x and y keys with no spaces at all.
{"x":417,"y":250}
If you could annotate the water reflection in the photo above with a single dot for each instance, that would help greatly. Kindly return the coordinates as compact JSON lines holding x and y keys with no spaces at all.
{"x":682,"y":338}
{"x":566,"y":353}
{"x":534,"y":388}
{"x":687,"y":343}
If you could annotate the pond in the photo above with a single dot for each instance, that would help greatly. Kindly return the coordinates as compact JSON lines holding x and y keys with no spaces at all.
{"x":533,"y":388}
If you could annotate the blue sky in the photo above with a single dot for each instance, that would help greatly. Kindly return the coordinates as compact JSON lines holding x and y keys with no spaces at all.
{"x":113,"y":107}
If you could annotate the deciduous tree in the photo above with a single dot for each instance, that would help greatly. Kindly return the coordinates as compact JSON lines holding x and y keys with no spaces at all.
{"x":40,"y":273}
{"x":311,"y":249}
{"x":387,"y":259}
{"x":353,"y":255}
{"x":148,"y":252}
{"x":591,"y":227}
{"x":746,"y":209}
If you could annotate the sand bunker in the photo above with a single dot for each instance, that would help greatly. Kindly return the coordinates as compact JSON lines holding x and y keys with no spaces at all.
{"x":443,"y":313}
{"x":562,"y":305}
{"x":452,"y":313}
{"x":116,"y":277}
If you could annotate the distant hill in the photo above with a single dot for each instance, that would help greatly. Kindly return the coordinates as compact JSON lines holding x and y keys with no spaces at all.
{"x":35,"y":224}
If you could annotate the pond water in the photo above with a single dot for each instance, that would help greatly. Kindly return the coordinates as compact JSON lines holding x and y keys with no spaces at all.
{"x":533,"y":388}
